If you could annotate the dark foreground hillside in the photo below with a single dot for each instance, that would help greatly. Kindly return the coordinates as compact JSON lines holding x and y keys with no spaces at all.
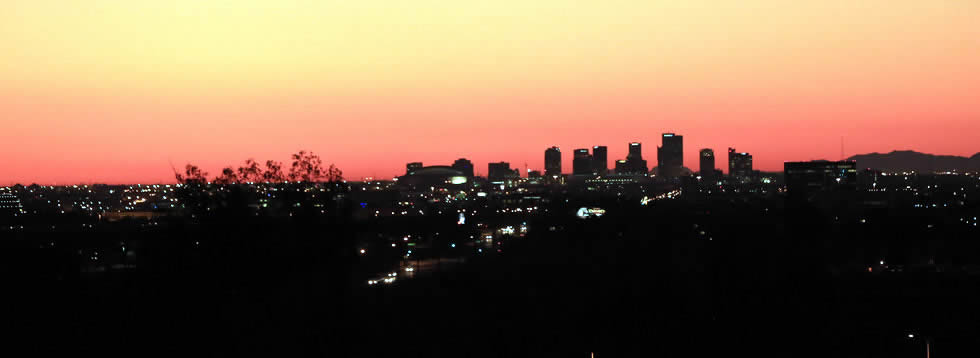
{"x":672,"y":280}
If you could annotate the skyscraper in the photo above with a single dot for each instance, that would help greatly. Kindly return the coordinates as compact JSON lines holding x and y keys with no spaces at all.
{"x":600,"y":161}
{"x":552,"y":162}
{"x":670,"y":155}
{"x":634,"y":163}
{"x":707,"y":158}
{"x":739,"y":163}
{"x":465,"y":166}
{"x":581,"y":162}
{"x":636,"y":151}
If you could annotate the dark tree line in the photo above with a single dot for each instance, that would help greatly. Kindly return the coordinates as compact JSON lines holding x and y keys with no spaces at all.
{"x":306,"y":167}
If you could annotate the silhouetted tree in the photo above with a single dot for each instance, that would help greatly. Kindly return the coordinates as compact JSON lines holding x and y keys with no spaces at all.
{"x":192,"y":175}
{"x":250,"y":172}
{"x":227,"y":176}
{"x":273,"y":172}
{"x":307,"y":167}
{"x":192,"y":194}
{"x":334,"y":174}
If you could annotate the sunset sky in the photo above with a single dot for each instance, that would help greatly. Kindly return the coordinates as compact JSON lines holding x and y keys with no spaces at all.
{"x":113,"y":91}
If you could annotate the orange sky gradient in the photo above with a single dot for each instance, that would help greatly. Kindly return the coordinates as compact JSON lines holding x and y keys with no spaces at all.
{"x":106,"y":91}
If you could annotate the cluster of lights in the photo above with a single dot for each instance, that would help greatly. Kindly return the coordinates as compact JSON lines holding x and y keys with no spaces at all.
{"x":518,"y":210}
{"x":390,"y":278}
{"x":968,"y":221}
{"x":673,"y":194}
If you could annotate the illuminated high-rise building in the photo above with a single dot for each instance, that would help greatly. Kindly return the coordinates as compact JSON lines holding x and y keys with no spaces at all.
{"x":600,"y":160}
{"x":707,"y":159}
{"x":739,"y":163}
{"x":635,"y":151}
{"x":552,"y":162}
{"x":582,"y":162}
{"x":634,"y":163}
{"x":670,"y":155}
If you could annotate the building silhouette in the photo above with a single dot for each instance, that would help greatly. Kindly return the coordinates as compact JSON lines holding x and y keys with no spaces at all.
{"x":634,"y":163}
{"x":739,"y":163}
{"x":552,"y":162}
{"x":707,"y":159}
{"x":582,"y":162}
{"x":436,"y":176}
{"x":635,"y":151}
{"x":670,"y":155}
{"x":821,"y":183}
{"x":620,"y":167}
{"x":412,"y":167}
{"x":465,"y":166}
{"x":500,"y":171}
{"x":600,"y":160}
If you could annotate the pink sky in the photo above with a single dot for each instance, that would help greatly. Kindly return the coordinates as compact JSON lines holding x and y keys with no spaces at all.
{"x":113,"y":92}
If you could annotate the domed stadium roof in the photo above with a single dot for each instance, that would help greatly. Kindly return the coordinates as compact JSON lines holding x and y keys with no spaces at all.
{"x":433,"y":176}
{"x":436,"y":170}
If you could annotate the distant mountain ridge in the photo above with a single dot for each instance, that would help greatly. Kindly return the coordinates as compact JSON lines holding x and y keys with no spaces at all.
{"x":907,"y":160}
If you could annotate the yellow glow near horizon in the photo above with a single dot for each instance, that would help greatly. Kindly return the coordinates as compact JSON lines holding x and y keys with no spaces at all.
{"x":189,"y":45}
{"x":113,"y":86}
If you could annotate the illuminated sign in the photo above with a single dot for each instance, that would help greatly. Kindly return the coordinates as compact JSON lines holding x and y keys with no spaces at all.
{"x":586,"y":213}
{"x":458,"y":180}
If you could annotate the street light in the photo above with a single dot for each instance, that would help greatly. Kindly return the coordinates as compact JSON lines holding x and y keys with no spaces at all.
{"x":928,"y":342}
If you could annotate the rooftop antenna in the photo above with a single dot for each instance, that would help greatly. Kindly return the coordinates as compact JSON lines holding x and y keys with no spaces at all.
{"x":172,"y":167}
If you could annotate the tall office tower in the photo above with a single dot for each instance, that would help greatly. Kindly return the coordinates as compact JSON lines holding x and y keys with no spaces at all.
{"x":635,"y":151}
{"x":670,"y":155}
{"x":600,"y":161}
{"x":412,"y":167}
{"x":739,"y":163}
{"x":499,"y":171}
{"x":552,"y":162}
{"x":582,"y":162}
{"x":707,"y":157}
{"x":634,"y":163}
{"x":465,"y":166}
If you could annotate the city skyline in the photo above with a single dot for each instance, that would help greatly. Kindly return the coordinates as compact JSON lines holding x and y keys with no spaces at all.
{"x":429,"y":178}
{"x":479,"y":168}
{"x":114,"y":92}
